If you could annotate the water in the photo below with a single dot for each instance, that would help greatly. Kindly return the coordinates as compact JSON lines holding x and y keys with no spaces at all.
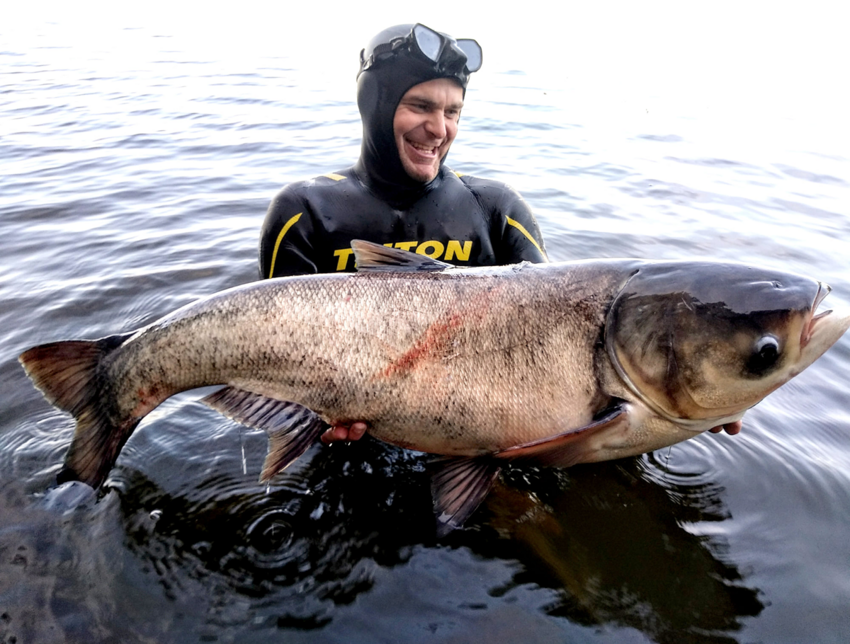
{"x":138,"y":153}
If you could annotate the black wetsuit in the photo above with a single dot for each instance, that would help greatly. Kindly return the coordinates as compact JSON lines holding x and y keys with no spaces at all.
{"x":460,"y":219}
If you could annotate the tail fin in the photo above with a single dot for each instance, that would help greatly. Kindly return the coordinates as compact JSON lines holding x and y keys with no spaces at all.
{"x":67,"y":373}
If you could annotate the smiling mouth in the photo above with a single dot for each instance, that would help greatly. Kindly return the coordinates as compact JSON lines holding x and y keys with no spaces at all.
{"x":423,"y":150}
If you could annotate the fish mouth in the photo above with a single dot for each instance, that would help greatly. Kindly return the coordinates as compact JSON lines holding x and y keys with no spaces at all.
{"x":809,"y":328}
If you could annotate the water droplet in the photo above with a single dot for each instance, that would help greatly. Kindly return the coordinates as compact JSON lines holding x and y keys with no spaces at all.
{"x":318,"y":512}
{"x":242,"y":445}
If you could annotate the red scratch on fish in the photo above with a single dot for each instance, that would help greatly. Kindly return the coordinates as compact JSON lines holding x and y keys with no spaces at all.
{"x":433,"y":343}
{"x":436,"y":342}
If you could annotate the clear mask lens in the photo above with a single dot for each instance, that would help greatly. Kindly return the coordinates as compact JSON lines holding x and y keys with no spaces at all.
{"x":429,"y":41}
{"x":473,"y":53}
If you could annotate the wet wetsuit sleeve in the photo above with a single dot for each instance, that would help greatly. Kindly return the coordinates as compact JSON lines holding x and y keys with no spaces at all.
{"x":515,"y":234}
{"x":285,"y":239}
{"x":521,"y":238}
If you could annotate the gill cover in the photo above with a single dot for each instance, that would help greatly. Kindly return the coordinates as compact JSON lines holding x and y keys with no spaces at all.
{"x":706,"y":341}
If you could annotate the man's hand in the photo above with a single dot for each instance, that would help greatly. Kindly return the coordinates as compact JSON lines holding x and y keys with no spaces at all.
{"x":729,"y":428}
{"x":352,"y":432}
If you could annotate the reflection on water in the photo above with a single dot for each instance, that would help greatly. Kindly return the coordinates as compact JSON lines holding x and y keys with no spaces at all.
{"x":234,"y":558}
{"x":614,"y":545}
{"x":605,"y":546}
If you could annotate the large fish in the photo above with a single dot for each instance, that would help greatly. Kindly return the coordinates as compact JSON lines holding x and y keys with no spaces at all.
{"x":547,"y":363}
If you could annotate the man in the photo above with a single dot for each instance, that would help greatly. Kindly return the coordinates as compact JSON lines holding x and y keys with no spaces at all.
{"x":410,"y":91}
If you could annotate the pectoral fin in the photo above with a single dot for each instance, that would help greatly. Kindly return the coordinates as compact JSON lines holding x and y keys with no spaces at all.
{"x":458,"y":487}
{"x":291,"y":428}
{"x":570,"y":447}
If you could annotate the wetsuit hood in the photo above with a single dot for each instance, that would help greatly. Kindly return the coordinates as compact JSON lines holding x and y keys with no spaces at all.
{"x":380,"y":88}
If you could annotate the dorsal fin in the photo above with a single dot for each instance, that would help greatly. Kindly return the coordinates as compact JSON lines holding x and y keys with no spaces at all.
{"x":372,"y":258}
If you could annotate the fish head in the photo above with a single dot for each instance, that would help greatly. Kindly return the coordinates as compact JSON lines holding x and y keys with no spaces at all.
{"x":700,"y":343}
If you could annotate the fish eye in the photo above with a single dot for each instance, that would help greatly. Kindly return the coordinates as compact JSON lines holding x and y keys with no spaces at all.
{"x":765,"y":355}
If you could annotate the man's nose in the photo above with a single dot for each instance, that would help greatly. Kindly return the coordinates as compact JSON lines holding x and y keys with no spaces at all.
{"x":435,"y":124}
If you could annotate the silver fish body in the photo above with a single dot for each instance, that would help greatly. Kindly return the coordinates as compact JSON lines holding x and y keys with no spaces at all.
{"x":552,"y":363}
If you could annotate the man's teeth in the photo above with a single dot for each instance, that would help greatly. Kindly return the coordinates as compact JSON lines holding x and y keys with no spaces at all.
{"x":422,"y":148}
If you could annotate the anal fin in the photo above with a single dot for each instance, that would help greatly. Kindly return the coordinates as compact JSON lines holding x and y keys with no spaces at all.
{"x":458,"y":487}
{"x":291,"y":427}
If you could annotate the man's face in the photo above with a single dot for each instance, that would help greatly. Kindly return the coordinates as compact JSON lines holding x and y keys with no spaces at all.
{"x":425,"y":124}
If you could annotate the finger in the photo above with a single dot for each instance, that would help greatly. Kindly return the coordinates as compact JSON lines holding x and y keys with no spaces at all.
{"x":334,"y":434}
{"x":356,"y":431}
{"x":733,"y":428}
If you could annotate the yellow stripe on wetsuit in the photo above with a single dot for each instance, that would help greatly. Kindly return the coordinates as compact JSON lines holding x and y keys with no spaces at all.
{"x":521,"y":228}
{"x":289,"y":224}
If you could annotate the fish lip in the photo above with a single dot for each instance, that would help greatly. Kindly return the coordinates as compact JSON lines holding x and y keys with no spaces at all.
{"x":809,"y":328}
